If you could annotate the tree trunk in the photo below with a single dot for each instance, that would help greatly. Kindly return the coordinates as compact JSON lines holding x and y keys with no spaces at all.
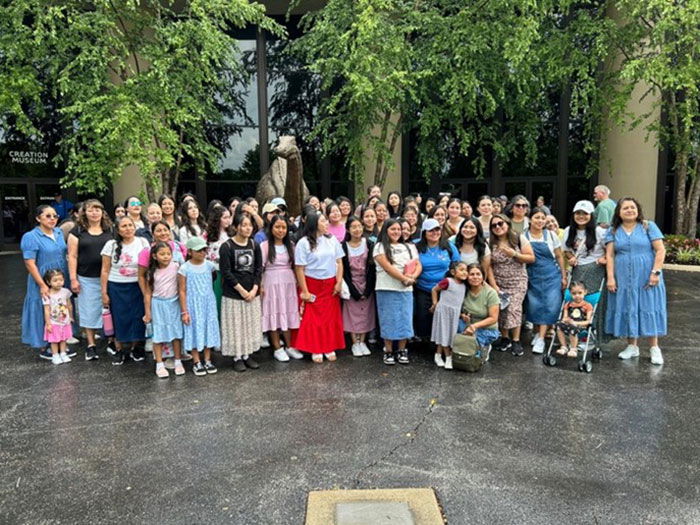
{"x":681,"y":176}
{"x":692,"y":203}
{"x":392,"y":147}
{"x":380,"y":157}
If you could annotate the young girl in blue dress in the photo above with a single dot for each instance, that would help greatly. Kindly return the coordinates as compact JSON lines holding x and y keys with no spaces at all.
{"x":162,"y":307}
{"x":198,"y":305}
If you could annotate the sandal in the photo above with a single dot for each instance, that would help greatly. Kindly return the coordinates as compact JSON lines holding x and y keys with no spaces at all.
{"x":562,"y":350}
{"x":572,"y":352}
{"x":317,"y":358}
{"x":330,"y":356}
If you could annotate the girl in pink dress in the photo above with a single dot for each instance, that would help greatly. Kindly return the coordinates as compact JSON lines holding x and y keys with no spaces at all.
{"x":280,"y":308}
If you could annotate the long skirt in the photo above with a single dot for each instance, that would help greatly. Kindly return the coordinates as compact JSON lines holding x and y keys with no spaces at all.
{"x":358,"y":316}
{"x":321,"y":328}
{"x":592,"y":275}
{"x":395,"y":313}
{"x":241,"y":327}
{"x":90,"y":302}
{"x":166,"y":319}
{"x":126,"y":304}
{"x":280,"y":306}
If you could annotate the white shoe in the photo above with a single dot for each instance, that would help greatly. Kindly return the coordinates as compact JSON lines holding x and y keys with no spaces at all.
{"x":293,"y":353}
{"x":448,"y":362}
{"x":64,"y":358}
{"x":439,"y":361}
{"x":656,"y":357}
{"x":538,"y":346}
{"x":265,"y":341}
{"x":72,"y":340}
{"x":629,"y":352}
{"x":56,"y":359}
{"x":357,"y":350}
{"x":365,"y":349}
{"x":281,"y":355}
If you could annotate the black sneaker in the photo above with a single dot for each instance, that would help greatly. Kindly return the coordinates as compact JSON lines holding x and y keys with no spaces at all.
{"x":91,"y":353}
{"x":502,"y":344}
{"x":198,"y":369}
{"x":70,"y":351}
{"x":251,"y":363}
{"x":517,"y":348}
{"x":389,"y":358}
{"x":111,"y":348}
{"x":46,"y":353}
{"x":138,"y":353}
{"x":210,"y":368}
{"x":239,"y":365}
{"x":118,"y":358}
{"x":403,"y":357}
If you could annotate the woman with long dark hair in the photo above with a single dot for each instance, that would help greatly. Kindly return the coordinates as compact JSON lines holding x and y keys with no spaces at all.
{"x":472,"y":246}
{"x":43,"y":248}
{"x":454,"y":217}
{"x":193,"y":223}
{"x":280,"y":308}
{"x":319,"y":269}
{"x":394,"y":204}
{"x":169,"y":214}
{"x":637,"y":305}
{"x":134,"y":209}
{"x":510,"y":253}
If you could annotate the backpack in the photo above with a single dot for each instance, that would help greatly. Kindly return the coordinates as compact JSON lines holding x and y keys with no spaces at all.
{"x":466,"y":354}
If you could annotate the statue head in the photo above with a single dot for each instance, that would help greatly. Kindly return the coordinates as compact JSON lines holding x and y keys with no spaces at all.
{"x":286,"y":147}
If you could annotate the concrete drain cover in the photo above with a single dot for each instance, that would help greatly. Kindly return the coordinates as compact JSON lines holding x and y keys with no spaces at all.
{"x":373,"y":507}
{"x":374,"y":512}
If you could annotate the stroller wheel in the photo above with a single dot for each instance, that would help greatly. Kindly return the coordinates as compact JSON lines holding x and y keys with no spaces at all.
{"x":549,"y":360}
{"x":588,"y":367}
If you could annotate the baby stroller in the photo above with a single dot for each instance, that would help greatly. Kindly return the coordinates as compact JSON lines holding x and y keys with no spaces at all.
{"x":588,"y":348}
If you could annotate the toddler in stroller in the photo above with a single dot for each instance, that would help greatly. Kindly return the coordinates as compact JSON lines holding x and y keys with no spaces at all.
{"x":577,"y":317}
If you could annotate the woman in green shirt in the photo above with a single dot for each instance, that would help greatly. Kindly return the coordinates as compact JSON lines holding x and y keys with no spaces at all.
{"x":480,"y":309}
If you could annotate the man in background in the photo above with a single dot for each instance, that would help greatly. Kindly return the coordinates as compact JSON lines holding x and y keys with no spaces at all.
{"x":605,"y":209}
{"x":61,"y":205}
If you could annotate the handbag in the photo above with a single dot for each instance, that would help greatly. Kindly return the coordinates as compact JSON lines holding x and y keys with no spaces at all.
{"x":466,"y":354}
{"x":344,"y":291}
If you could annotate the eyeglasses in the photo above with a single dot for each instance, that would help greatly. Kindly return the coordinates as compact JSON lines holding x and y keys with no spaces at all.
{"x":499,"y":224}
{"x":136,"y":203}
{"x":51,"y":216}
{"x":520,"y":205}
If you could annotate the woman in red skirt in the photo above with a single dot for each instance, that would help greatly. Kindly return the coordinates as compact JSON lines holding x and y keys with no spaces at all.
{"x":319,"y":269}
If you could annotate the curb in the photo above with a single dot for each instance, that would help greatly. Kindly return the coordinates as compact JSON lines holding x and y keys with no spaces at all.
{"x":682,"y":268}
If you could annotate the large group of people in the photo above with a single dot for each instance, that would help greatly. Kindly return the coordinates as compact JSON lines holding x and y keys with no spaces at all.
{"x":187,"y":282}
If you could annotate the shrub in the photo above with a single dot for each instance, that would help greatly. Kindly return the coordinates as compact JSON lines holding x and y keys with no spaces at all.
{"x":682,"y":250}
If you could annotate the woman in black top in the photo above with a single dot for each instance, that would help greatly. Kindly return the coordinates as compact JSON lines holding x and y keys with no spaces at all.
{"x":85,"y":242}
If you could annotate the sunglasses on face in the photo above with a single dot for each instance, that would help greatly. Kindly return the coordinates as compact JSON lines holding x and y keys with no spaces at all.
{"x":51,"y":216}
{"x":520,"y":205}
{"x":499,"y":224}
{"x":136,"y":203}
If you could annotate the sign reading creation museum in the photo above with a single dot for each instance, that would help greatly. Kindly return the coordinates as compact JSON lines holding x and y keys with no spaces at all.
{"x":28,"y":157}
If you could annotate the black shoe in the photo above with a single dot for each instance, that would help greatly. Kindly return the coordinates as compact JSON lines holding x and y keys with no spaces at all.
{"x":138,"y":353}
{"x":239,"y":365}
{"x":403,"y":357}
{"x":517,"y":348}
{"x":45,"y":353}
{"x":502,"y":344}
{"x":111,"y":348}
{"x":198,"y":369}
{"x":210,"y":368}
{"x":389,"y":358}
{"x":91,"y":353}
{"x":118,"y":358}
{"x":251,"y":363}
{"x":71,"y":352}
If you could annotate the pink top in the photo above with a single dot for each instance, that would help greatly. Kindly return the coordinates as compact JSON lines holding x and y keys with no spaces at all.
{"x":175,"y":246}
{"x":337,"y":231}
{"x":165,"y":281}
{"x":58,"y":306}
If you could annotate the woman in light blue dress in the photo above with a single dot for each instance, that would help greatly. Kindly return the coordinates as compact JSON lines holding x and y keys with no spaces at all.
{"x":637,"y":294}
{"x":43,"y":248}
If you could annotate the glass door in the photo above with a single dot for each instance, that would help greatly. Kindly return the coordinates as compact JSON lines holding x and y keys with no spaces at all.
{"x":14,"y":207}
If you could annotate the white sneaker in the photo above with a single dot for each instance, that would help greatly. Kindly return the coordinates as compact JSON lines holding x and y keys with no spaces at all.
{"x":629,"y":352}
{"x":538,"y":346}
{"x":265,"y":341}
{"x":281,"y":355}
{"x":365,"y":349}
{"x":656,"y":357}
{"x":56,"y":359}
{"x":64,"y":358}
{"x":357,"y":350}
{"x":448,"y":362}
{"x":293,"y":353}
{"x":72,"y":340}
{"x":439,"y":361}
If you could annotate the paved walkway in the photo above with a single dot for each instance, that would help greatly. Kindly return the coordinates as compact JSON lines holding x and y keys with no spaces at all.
{"x":518,"y":443}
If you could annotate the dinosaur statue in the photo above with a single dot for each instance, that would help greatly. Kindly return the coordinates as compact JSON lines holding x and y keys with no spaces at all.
{"x":284,"y":178}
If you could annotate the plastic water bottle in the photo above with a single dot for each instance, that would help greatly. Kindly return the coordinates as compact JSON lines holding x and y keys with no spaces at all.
{"x":107,"y":323}
{"x":149,"y":330}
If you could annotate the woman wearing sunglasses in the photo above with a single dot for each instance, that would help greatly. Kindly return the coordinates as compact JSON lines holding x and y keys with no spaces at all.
{"x":43,"y":248}
{"x":520,"y":207}
{"x":510,"y":252}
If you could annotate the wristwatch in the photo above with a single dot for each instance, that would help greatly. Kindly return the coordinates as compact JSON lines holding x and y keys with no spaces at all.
{"x":656,"y":272}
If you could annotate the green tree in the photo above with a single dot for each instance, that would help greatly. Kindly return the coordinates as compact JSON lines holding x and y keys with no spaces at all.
{"x":657,"y":43}
{"x":152,"y":83}
{"x":475,"y":76}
